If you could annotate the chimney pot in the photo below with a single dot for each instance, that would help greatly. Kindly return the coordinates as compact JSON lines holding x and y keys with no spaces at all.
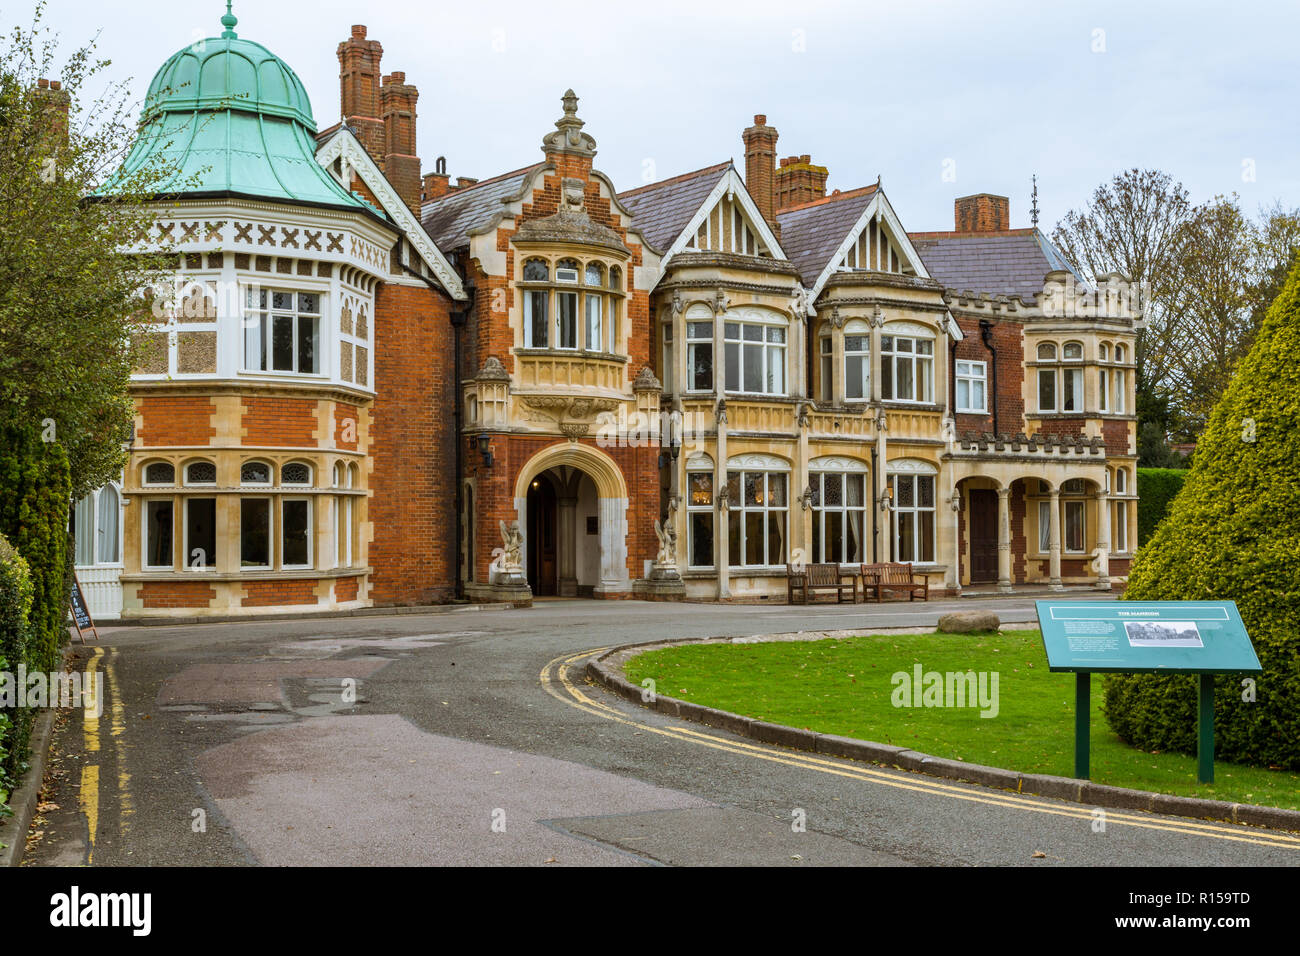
{"x":358,"y":31}
{"x":56,"y":85}
{"x":43,"y":83}
{"x":805,"y":159}
{"x":760,"y":119}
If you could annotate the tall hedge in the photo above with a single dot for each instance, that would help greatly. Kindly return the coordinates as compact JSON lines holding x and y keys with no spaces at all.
{"x":1233,"y":534}
{"x":35,"y":489}
{"x":15,"y":608}
{"x":1157,"y":489}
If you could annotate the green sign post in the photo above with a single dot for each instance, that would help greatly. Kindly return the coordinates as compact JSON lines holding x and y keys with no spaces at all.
{"x":1192,"y":637}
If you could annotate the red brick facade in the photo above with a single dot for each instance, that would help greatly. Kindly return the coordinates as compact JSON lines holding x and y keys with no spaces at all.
{"x":277,"y":593}
{"x":279,"y":422}
{"x":171,"y":420}
{"x":173,"y":594}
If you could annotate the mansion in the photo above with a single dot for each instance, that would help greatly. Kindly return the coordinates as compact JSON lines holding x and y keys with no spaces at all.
{"x":376,"y":385}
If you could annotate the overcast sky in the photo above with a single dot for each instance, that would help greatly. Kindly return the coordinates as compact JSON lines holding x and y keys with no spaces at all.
{"x":941,"y":99}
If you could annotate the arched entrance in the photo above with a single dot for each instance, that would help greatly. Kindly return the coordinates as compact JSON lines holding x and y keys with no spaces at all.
{"x":572,"y":505}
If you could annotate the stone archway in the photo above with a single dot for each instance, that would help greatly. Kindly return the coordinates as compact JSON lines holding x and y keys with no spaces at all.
{"x":568,"y":458}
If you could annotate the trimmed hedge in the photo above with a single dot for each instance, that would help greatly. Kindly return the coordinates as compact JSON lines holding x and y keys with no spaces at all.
{"x":15,"y":607}
{"x":1233,"y":533}
{"x":1157,"y":488}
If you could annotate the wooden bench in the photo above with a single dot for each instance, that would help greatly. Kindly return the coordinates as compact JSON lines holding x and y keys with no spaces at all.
{"x":877,"y":578}
{"x":812,"y":578}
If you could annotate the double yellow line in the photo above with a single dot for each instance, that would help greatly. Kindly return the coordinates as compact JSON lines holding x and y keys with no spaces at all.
{"x":555,"y":679}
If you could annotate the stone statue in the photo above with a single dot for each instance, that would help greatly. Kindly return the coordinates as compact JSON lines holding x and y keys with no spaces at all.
{"x":667,"y":534}
{"x":513,"y":541}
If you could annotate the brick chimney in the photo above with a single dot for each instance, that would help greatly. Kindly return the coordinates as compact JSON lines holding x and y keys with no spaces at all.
{"x":760,"y":166}
{"x":401,"y":165}
{"x":983,"y":212}
{"x":799,"y":181}
{"x":359,"y":85}
{"x":435,"y":185}
{"x":57,"y":101}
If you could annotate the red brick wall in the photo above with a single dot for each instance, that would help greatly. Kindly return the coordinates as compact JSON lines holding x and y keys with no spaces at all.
{"x":161,"y":594}
{"x":345,"y":589}
{"x":343,"y":414}
{"x":284,"y":422}
{"x":1115,"y":434}
{"x":1068,"y":427}
{"x":413,"y":483}
{"x":276,"y":593}
{"x":495,"y":496}
{"x":1016,"y":507}
{"x":176,"y":420}
{"x":1009,"y":342}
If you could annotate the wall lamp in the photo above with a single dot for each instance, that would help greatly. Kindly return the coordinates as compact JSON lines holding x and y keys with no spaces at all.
{"x":485,"y":449}
{"x":674,"y":449}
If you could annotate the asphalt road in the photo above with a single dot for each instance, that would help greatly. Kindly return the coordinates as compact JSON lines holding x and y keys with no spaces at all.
{"x":470,"y":737}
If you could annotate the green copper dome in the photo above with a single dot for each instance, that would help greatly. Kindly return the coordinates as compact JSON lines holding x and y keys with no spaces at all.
{"x":227,"y":116}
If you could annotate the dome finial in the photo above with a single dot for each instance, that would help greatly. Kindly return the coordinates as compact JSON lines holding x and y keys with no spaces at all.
{"x":229,"y":21}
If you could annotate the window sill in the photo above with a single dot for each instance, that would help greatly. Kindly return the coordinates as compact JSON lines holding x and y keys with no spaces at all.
{"x":248,"y":574}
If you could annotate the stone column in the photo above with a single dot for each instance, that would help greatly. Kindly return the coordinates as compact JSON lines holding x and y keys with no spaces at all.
{"x":567,"y":542}
{"x":721,"y":530}
{"x":802,"y":482}
{"x":680,"y":349}
{"x":1054,"y":541}
{"x":1103,"y":541}
{"x":952,"y":579}
{"x":1004,"y":539}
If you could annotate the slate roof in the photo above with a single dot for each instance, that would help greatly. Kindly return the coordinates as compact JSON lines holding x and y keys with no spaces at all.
{"x":1008,"y":263}
{"x":812,"y":231}
{"x":660,"y":211}
{"x":450,"y":218}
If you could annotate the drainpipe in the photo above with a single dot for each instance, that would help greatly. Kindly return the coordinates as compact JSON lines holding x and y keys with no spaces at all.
{"x":986,"y":333}
{"x":875,"y":512}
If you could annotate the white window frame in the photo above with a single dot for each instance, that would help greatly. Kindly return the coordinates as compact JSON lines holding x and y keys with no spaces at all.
{"x":826,"y":358}
{"x":858,"y":329}
{"x":1081,"y":505}
{"x":817,"y":483}
{"x":766,"y":349}
{"x":1044,"y":526}
{"x":919,"y":362}
{"x":694,"y":509}
{"x":261,"y":318}
{"x":696,"y":339}
{"x":144,"y":475}
{"x":915,"y":509}
{"x":544,"y":297}
{"x":737,"y":510}
{"x":976,"y":373}
{"x":311,"y":475}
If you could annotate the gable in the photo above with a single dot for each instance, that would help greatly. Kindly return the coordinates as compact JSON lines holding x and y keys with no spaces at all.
{"x":877,"y":241}
{"x":727,"y":226}
{"x":344,"y":149}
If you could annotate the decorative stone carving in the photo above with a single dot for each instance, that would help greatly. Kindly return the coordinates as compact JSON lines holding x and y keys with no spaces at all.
{"x":646,"y":381}
{"x":574,"y":430}
{"x":721,"y":302}
{"x":802,"y":416}
{"x":493,"y":371}
{"x":877,"y":318}
{"x":568,"y":136}
{"x":837,"y":320}
{"x":678,"y":303}
{"x":666,"y":532}
{"x":720,"y":413}
{"x":801,"y":306}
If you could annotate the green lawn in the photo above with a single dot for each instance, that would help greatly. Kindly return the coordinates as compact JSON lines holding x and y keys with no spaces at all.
{"x":845,"y":687}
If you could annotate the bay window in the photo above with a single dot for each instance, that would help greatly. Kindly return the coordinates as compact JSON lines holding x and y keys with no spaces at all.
{"x":839,"y":517}
{"x":906,"y":368}
{"x":757,"y":519}
{"x":913,"y":514}
{"x":699,"y":518}
{"x":282,"y":331}
{"x":699,"y":356}
{"x":755,"y":357}
{"x":585,"y":318}
{"x":857,"y":361}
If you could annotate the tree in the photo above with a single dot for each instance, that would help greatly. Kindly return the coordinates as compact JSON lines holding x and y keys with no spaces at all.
{"x":1134,"y":225}
{"x":1233,"y":533}
{"x":71,"y":303}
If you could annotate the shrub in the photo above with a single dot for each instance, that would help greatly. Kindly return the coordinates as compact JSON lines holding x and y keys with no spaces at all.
{"x":1157,"y":489}
{"x":1233,"y":533}
{"x":35,"y":488}
{"x":15,"y":606}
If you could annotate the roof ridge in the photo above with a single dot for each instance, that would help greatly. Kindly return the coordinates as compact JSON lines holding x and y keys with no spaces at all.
{"x":968,"y":234}
{"x":676,"y":179}
{"x":833,"y":197}
{"x":482,"y":182}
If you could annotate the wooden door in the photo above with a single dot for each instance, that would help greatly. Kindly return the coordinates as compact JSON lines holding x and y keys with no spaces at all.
{"x":542,"y":563}
{"x":982,"y":522}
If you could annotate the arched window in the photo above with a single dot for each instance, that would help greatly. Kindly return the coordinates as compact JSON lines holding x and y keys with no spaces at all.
{"x":566,"y":270}
{"x":840,"y":495}
{"x":1121,"y":481}
{"x":912,"y":509}
{"x":1121,"y":354}
{"x":1072,"y":352}
{"x":595,"y":274}
{"x":1047,"y":378}
{"x":200,"y":473}
{"x":536,"y":270}
{"x":295,"y":473}
{"x":757,"y":498}
{"x":616,"y":278}
{"x":353,"y":477}
{"x":1103,"y":352}
{"x":160,"y":473}
{"x":255,"y":473}
{"x":106,"y":530}
{"x":83,"y":530}
{"x":1047,"y":352}
{"x":699,"y":510}
{"x":339,"y":472}
{"x":1121,"y":380}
